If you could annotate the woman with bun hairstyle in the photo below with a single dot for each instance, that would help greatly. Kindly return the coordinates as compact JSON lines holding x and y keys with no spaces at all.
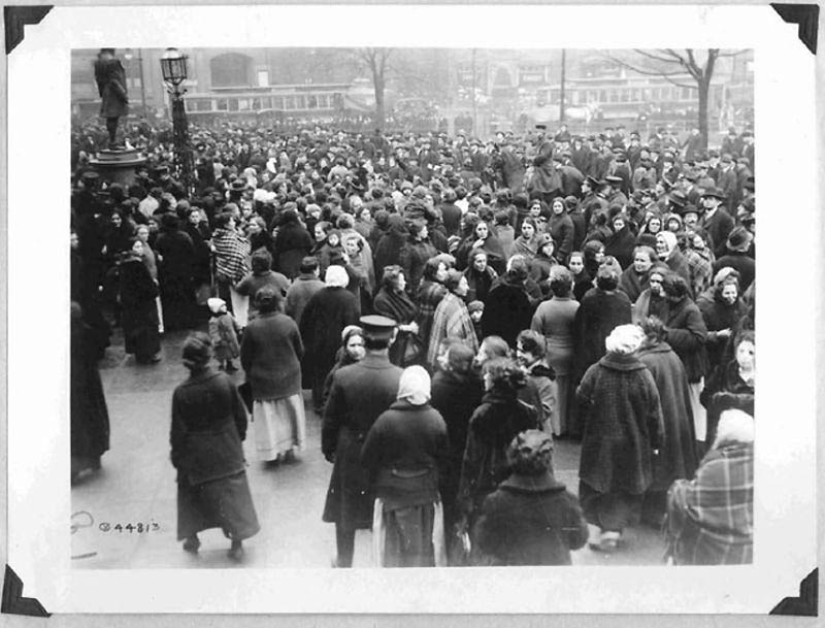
{"x":208,"y":426}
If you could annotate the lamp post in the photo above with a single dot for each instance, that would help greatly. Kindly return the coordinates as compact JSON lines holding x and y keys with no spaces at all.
{"x":173,"y":67}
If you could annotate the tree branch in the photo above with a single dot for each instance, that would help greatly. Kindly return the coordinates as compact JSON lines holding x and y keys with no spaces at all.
{"x":650,"y":55}
{"x":634,"y":68}
{"x":732,"y":54}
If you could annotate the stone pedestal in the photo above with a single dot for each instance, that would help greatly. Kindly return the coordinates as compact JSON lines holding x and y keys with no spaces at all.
{"x":118,"y":165}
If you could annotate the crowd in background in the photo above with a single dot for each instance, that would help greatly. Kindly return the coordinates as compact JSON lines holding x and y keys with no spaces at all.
{"x":598,"y":288}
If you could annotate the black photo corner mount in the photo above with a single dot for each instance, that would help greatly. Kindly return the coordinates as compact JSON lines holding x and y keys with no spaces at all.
{"x":806,"y":16}
{"x":807,"y":603}
{"x":16,"y":18}
{"x":13,"y":601}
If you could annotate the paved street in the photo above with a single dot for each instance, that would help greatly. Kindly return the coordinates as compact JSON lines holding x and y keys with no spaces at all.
{"x":137,"y":486}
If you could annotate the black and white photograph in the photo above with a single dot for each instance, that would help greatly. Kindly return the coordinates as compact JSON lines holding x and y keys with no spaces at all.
{"x":557,"y":247}
{"x":484,"y":311}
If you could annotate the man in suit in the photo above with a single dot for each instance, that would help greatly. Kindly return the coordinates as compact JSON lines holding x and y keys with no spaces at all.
{"x":359,"y":393}
{"x":716,"y":220}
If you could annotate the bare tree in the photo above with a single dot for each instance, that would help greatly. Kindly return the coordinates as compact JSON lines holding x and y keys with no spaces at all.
{"x":375,"y":59}
{"x":670,"y":64}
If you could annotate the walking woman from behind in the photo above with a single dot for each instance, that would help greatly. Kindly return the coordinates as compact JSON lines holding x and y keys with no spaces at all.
{"x":208,"y":425}
{"x":271,"y":351}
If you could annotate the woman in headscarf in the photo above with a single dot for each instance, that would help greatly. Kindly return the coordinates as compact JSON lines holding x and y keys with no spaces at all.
{"x":530,"y":519}
{"x":208,"y":426}
{"x":494,"y":424}
{"x":582,"y":281}
{"x":406,"y":452}
{"x":667,"y":248}
{"x":430,"y":293}
{"x":678,"y":453}
{"x":351,"y":351}
{"x":451,"y":318}
{"x":327,"y":313}
{"x":393,"y":302}
{"x":482,"y":238}
{"x":139,"y":312}
{"x":271,"y":351}
{"x":543,"y":261}
{"x":480,"y":276}
{"x":622,"y":418}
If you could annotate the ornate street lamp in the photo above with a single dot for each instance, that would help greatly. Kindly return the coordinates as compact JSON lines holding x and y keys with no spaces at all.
{"x":173,"y":67}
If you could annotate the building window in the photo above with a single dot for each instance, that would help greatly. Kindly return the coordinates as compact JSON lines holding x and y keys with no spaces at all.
{"x":231,"y":70}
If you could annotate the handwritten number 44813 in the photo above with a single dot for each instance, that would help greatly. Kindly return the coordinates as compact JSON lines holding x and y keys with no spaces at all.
{"x":130,"y":527}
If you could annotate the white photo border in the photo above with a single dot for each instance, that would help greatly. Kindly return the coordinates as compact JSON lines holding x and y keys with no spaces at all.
{"x":38,"y":83}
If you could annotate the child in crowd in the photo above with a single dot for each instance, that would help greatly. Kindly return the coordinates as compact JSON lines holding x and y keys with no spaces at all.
{"x":223,"y":331}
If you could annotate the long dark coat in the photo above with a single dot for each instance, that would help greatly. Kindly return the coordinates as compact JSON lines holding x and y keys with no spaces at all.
{"x":456,"y":397}
{"x":208,"y":424}
{"x":600,"y":313}
{"x":686,"y":334}
{"x":270,"y":355}
{"x":89,"y":414}
{"x":175,"y":272}
{"x":292,"y":244}
{"x":725,"y":390}
{"x":677,"y":458}
{"x":359,"y":394}
{"x":719,"y":315}
{"x":327,"y":313}
{"x":622,"y":417}
{"x":111,"y":86}
{"x":507,"y":310}
{"x":139,"y":309}
{"x":493,"y":426}
{"x":530,"y":520}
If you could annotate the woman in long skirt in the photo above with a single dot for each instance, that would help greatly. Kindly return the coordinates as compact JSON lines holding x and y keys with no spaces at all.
{"x":208,"y":425}
{"x":271,"y":351}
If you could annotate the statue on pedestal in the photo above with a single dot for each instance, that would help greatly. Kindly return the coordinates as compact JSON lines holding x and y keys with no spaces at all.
{"x":111,"y":84}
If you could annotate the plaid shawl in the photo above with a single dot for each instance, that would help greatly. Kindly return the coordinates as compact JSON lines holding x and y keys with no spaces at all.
{"x":700,"y":265}
{"x":231,"y":251}
{"x":451,"y":320}
{"x":710,"y":519}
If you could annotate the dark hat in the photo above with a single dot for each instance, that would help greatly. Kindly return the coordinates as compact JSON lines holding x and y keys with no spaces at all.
{"x":594,"y":183}
{"x":544,"y":239}
{"x":677,"y":198}
{"x":541,"y":127}
{"x":739,"y":239}
{"x":750,"y":184}
{"x":714,"y":193}
{"x":531,"y":453}
{"x":238,"y":185}
{"x":690,"y":208}
{"x":376,"y":326}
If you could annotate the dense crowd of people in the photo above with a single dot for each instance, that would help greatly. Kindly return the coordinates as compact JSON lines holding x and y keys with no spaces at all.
{"x":455,"y":306}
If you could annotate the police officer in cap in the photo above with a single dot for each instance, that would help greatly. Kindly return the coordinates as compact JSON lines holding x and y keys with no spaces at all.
{"x":359,"y":394}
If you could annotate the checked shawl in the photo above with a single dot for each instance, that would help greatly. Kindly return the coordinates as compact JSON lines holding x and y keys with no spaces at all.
{"x":710,"y":519}
{"x":231,"y":251}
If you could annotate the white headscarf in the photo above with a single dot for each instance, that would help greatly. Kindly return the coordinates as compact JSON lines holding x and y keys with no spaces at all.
{"x":414,"y":385}
{"x":734,"y":426}
{"x":215,"y":304}
{"x":624,"y":339}
{"x":670,"y":239}
{"x":336,"y":277}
